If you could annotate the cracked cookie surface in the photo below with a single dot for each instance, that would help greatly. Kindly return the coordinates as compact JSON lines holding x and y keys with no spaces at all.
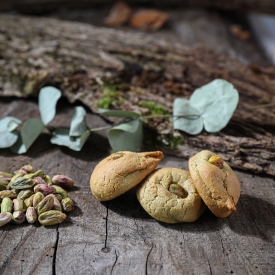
{"x":219,"y":187}
{"x":121,"y":171}
{"x":169,"y":195}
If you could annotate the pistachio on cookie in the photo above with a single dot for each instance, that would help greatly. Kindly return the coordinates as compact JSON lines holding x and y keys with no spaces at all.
{"x":121,"y":171}
{"x":169,"y":195}
{"x":216,"y":182}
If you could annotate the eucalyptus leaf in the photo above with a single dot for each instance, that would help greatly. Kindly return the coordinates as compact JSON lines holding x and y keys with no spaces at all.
{"x":62,"y":137}
{"x":13,"y":124}
{"x":8,"y":133}
{"x":30,"y":130}
{"x":216,"y":101}
{"x":78,"y":125}
{"x":182,"y":107}
{"x":7,"y":123}
{"x":118,"y":113}
{"x":47,"y":100}
{"x":126,"y":136}
{"x":7,"y":139}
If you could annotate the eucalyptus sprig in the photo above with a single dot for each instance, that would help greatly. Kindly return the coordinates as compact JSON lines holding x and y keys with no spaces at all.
{"x":209,"y":107}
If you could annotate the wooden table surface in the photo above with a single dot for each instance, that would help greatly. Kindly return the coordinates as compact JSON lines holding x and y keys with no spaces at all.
{"x":119,"y":237}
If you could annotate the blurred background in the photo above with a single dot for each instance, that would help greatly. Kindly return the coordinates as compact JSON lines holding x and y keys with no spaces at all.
{"x":243,"y":29}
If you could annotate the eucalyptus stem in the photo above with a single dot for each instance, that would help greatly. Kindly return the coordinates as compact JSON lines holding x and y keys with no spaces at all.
{"x":100,"y":128}
{"x":191,"y":117}
{"x":261,"y":106}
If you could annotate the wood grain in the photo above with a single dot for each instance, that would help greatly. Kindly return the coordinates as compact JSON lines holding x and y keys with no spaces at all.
{"x":119,"y":237}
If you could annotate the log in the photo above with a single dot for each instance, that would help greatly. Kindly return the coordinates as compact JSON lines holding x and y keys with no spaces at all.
{"x":79,"y":59}
{"x":43,"y":6}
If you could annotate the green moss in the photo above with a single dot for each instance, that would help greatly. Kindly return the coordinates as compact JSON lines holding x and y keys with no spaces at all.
{"x":153,"y":141}
{"x":174,"y":140}
{"x":111,"y":95}
{"x":154,"y":108}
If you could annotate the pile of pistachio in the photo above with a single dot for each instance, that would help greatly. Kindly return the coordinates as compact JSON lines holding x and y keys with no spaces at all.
{"x":29,"y":195}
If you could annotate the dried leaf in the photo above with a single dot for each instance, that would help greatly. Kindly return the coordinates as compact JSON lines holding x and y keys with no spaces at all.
{"x":237,"y":31}
{"x":119,"y":15}
{"x":148,"y":20}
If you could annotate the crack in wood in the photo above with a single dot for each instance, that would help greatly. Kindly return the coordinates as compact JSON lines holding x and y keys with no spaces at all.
{"x":114,"y":262}
{"x":144,"y":239}
{"x":105,"y":248}
{"x":147,"y":260}
{"x":55,"y":250}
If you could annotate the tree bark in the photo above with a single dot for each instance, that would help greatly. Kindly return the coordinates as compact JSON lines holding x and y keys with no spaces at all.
{"x":42,"y":6}
{"x":79,"y":59}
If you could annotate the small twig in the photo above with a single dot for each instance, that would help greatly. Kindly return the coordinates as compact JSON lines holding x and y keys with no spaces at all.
{"x":261,"y":106}
{"x":191,"y":117}
{"x":100,"y":128}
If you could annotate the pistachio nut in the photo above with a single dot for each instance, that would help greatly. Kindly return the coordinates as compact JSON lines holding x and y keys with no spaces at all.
{"x":6,"y":205}
{"x":13,"y":179}
{"x":59,"y":190}
{"x":3,"y":183}
{"x":18,"y":217}
{"x":31,"y":215}
{"x":19,"y":205}
{"x":45,"y":205}
{"x":37,"y":198}
{"x":56,"y":203}
{"x":22,"y":183}
{"x":62,"y":181}
{"x":20,"y":172}
{"x":24,"y":194}
{"x":217,"y":161}
{"x":178,"y":190}
{"x":59,"y":197}
{"x":28,"y":168}
{"x":8,"y":193}
{"x":6,"y":175}
{"x":67,"y":204}
{"x":39,"y":180}
{"x":38,"y":173}
{"x":5,"y":218}
{"x":51,"y":217}
{"x":29,"y":201}
{"x":48,"y":180}
{"x":45,"y":189}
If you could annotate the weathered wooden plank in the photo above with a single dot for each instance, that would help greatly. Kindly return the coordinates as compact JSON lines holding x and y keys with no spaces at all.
{"x":119,"y":237}
{"x":189,"y":27}
{"x":79,"y":58}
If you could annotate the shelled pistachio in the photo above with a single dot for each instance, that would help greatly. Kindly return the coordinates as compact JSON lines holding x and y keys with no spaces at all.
{"x":6,"y":205}
{"x":32,"y":195}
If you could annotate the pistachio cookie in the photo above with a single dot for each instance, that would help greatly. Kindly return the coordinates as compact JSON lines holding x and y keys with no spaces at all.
{"x":122,"y":171}
{"x":169,"y":195}
{"x":216,"y":182}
